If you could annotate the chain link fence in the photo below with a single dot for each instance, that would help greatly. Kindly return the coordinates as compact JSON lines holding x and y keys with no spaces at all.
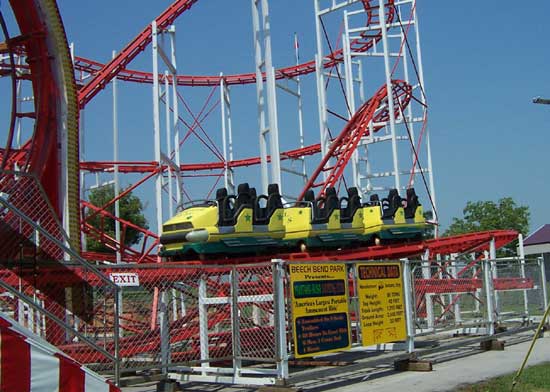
{"x":198,"y":320}
{"x":46,"y":286}
{"x":476,"y":296}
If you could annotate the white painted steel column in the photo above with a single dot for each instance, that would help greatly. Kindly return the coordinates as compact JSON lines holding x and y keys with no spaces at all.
{"x":389,"y":88}
{"x":114,"y":83}
{"x":427,"y":131}
{"x":168,"y":126}
{"x":457,"y":297}
{"x":320,"y":78}
{"x":280,"y":318}
{"x":427,"y":274}
{"x":156,"y":126}
{"x":409,"y":303}
{"x":115,"y":167}
{"x":175,"y":114}
{"x":522,"y":271}
{"x":300,"y":111}
{"x":203,"y":325}
{"x":350,"y":93}
{"x":271,"y":101}
{"x":224,"y":135}
{"x":543,"y":279}
{"x":493,"y":256}
{"x":488,"y":283}
{"x":260,"y":96}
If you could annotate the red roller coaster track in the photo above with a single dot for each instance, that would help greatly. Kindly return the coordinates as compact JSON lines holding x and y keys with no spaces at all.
{"x":340,"y":151}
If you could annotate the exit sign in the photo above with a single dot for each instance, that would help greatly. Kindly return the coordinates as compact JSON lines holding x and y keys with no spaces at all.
{"x":124,"y":279}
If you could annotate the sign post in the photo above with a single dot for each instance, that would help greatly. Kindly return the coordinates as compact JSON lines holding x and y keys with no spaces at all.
{"x":319,"y":308}
{"x":381,"y":302}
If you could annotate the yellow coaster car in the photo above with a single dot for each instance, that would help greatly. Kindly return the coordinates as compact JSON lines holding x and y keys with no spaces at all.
{"x":252,"y":224}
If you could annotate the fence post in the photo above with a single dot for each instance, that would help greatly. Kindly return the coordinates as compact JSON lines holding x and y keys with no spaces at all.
{"x":116,"y":332}
{"x":522,"y":271}
{"x":281,"y":353}
{"x":235,"y":322}
{"x":409,"y":309}
{"x":457,"y":297}
{"x":164,"y":325}
{"x":494,"y":273}
{"x":543,"y":279}
{"x":427,"y":274}
{"x":488,"y":283}
{"x":203,"y":325}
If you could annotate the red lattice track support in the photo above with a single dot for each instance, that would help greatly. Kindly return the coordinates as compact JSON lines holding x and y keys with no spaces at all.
{"x":374,"y":111}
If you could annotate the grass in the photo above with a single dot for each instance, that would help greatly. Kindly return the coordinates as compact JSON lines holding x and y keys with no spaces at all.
{"x":533,"y":379}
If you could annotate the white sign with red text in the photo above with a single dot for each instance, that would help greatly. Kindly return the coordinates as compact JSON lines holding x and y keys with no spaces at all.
{"x":124,"y":278}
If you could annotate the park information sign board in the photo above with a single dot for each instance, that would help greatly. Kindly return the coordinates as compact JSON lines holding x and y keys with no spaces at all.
{"x":381,"y":306}
{"x":319,"y":308}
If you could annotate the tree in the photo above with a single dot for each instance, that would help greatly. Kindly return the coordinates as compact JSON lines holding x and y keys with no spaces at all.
{"x":488,"y":215}
{"x":131,"y":210}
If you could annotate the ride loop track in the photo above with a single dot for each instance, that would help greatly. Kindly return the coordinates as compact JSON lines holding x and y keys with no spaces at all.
{"x":57,"y":100}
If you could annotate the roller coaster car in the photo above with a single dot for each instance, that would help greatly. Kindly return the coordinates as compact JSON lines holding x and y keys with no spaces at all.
{"x":247,"y":223}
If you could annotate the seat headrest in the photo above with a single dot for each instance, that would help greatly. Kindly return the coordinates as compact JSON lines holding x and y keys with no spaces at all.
{"x":243,"y":188}
{"x":410,"y":192}
{"x":253,"y":193}
{"x":221,"y":193}
{"x":393,"y":193}
{"x":273,"y":189}
{"x":374,"y":197}
{"x":352,"y":191}
{"x":330,"y":191}
{"x":310,"y":195}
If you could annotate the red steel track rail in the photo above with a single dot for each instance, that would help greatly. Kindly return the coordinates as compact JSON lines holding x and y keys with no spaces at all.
{"x":103,"y":73}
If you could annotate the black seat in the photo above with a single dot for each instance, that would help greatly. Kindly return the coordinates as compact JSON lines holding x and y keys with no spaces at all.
{"x":412,"y":203}
{"x":374,"y":201}
{"x":353,"y":204}
{"x":391,"y":204}
{"x":325,"y":206}
{"x":273,"y":201}
{"x":225,"y":211}
{"x":243,"y":197}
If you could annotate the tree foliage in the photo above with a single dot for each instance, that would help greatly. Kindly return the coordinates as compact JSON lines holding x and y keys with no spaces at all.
{"x":131,"y":210}
{"x":488,"y":215}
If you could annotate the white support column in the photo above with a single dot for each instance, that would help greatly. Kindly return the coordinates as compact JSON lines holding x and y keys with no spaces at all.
{"x":320,"y":78}
{"x":427,"y":131}
{"x":260,"y":95}
{"x":522,"y":272}
{"x":488,"y":283}
{"x":455,"y":297}
{"x":227,"y":138}
{"x":385,"y":45}
{"x":168,"y":126}
{"x":175,"y":119}
{"x":271,"y":101}
{"x":427,"y":274}
{"x":203,"y":326}
{"x":115,"y":168}
{"x":494,"y":270}
{"x":300,"y":111}
{"x":409,"y":303}
{"x":156,"y":126}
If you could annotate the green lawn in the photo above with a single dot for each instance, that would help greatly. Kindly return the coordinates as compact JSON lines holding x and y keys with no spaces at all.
{"x":533,"y":379}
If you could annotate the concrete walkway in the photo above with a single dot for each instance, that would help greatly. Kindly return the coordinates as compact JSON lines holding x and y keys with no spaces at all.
{"x":446,"y":376}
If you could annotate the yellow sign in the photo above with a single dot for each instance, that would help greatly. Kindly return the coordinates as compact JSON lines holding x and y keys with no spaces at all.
{"x":319,"y":308}
{"x":382,"y":310}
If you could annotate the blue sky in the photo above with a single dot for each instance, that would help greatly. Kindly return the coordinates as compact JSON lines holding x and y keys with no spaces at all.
{"x":483,"y":63}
